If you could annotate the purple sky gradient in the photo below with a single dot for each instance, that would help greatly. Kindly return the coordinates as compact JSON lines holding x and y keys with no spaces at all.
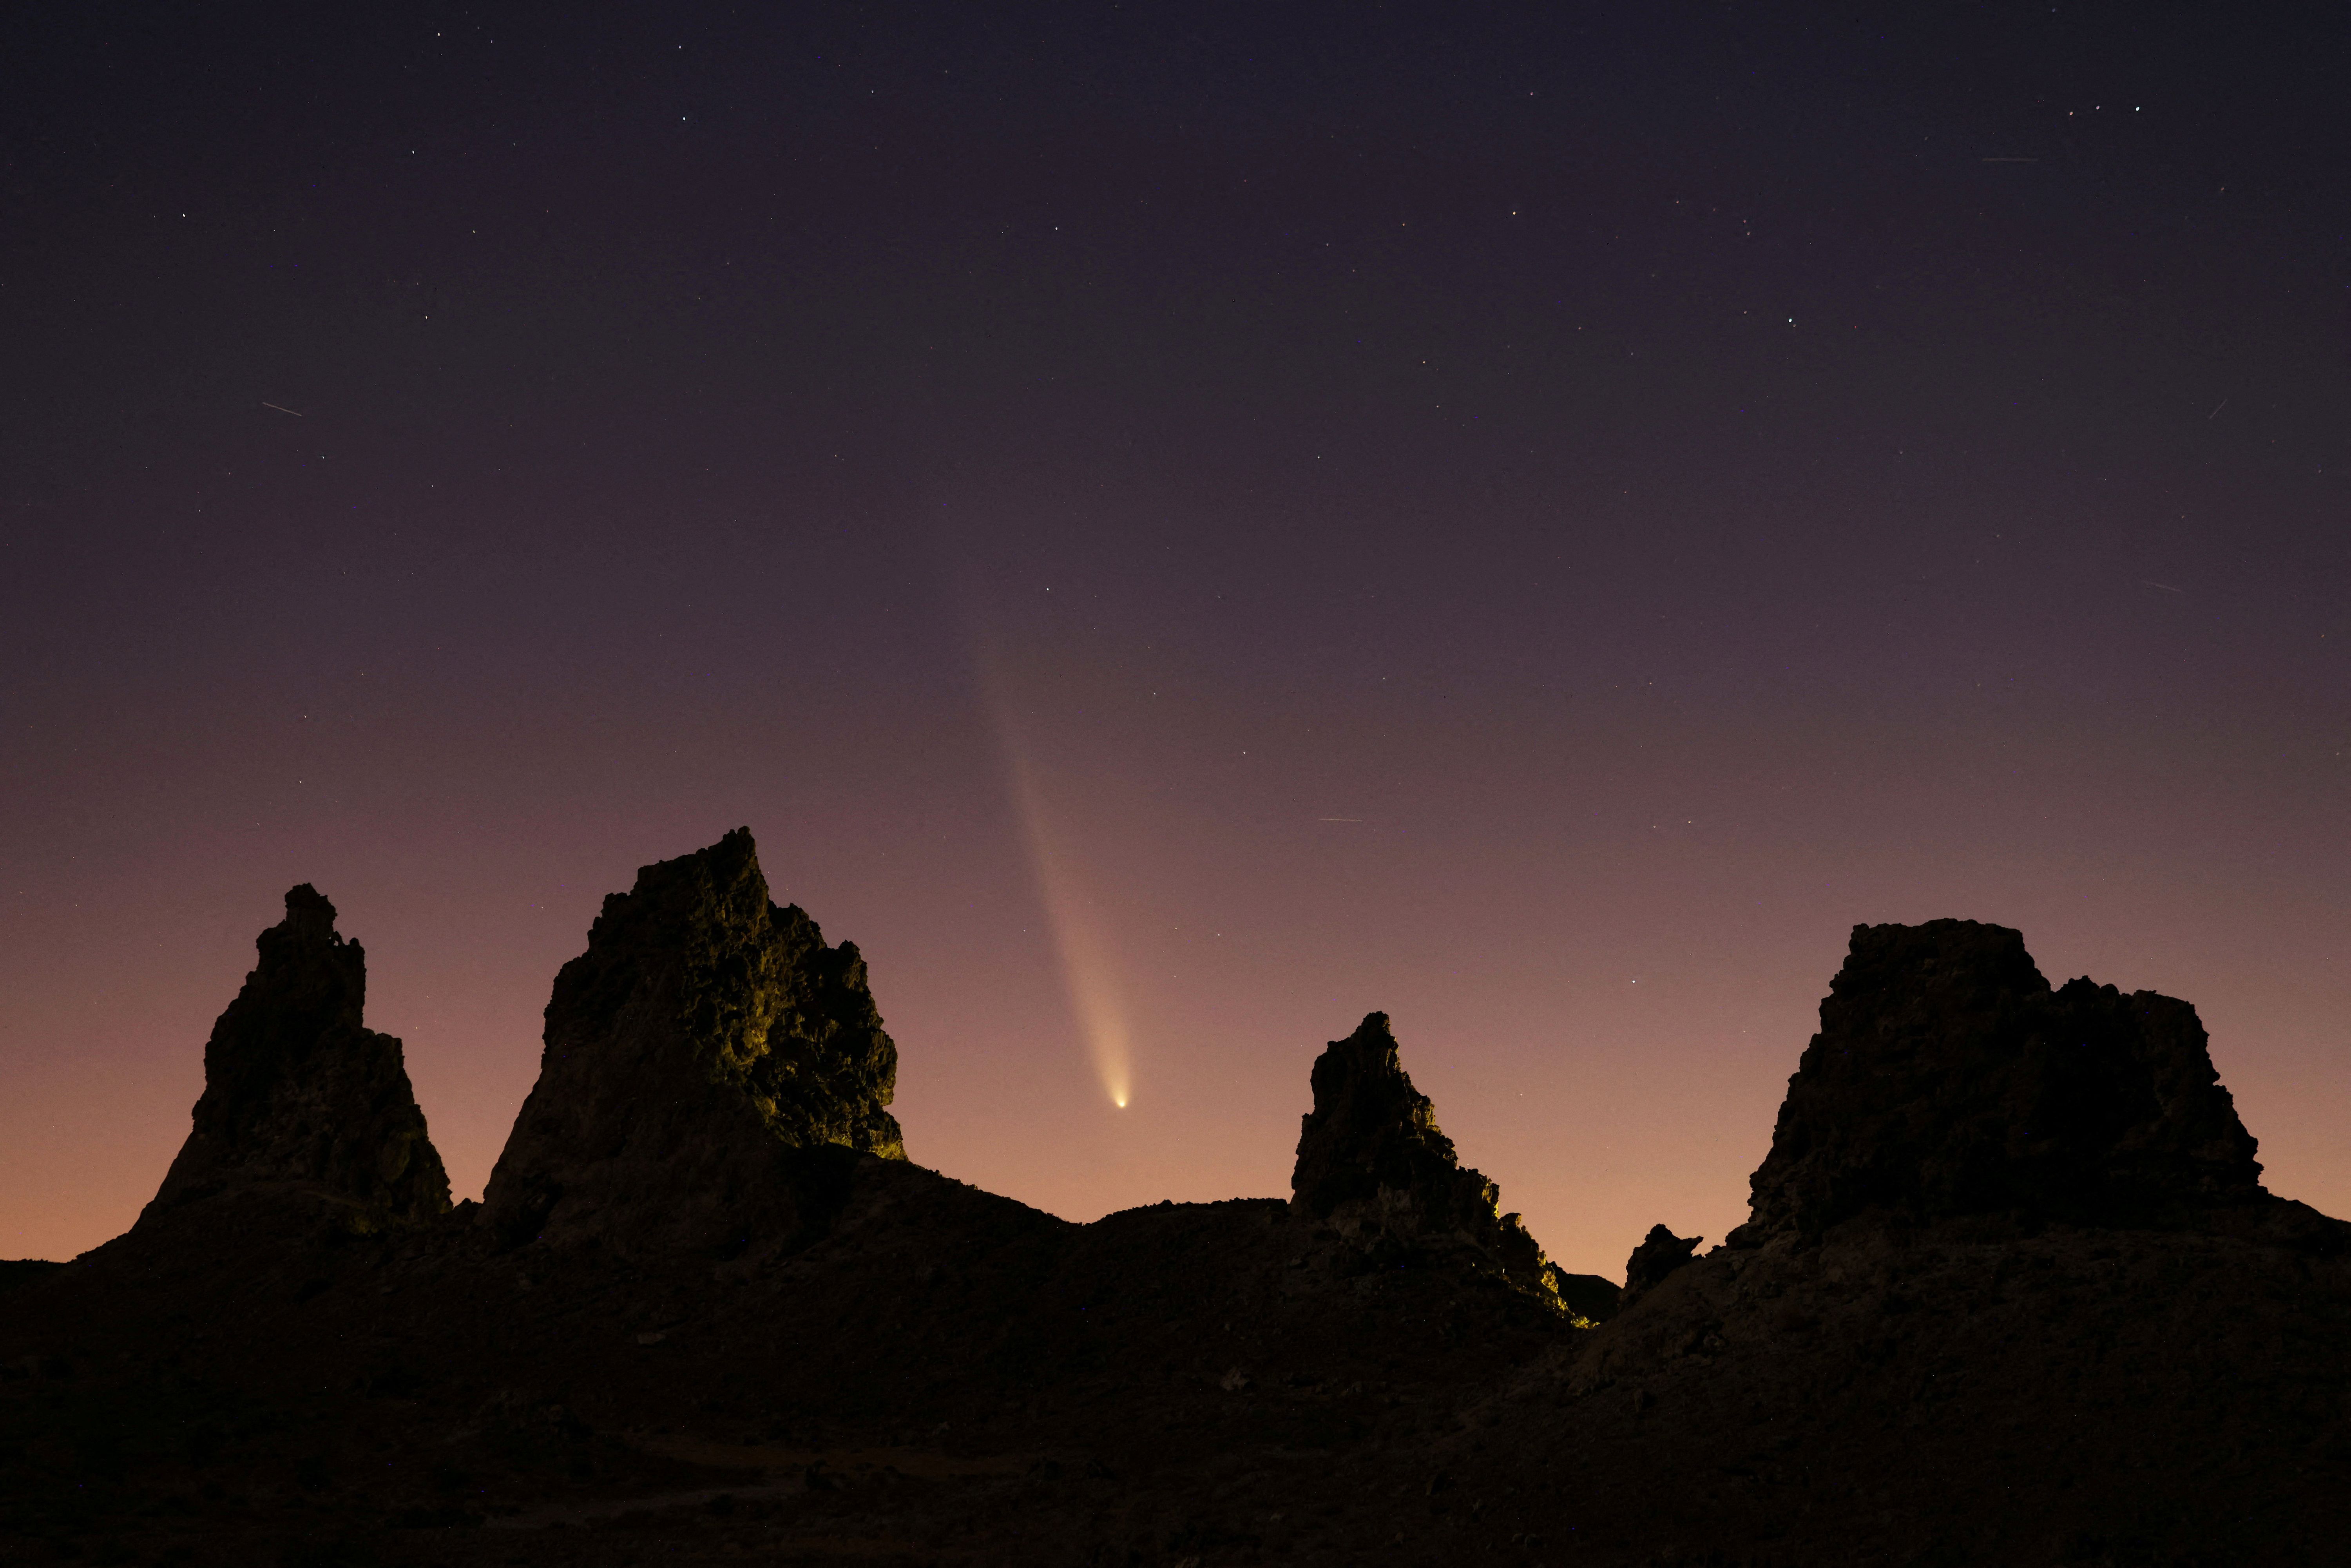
{"x":1659,"y":482}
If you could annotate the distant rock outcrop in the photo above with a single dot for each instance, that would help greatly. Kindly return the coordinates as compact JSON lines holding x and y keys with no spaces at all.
{"x":711,"y":1069}
{"x":1949,"y":1079}
{"x":301,"y":1100}
{"x":1373,"y":1165}
{"x":1659,"y":1254}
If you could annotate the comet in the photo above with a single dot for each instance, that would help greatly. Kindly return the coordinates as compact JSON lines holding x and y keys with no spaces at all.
{"x":1083,"y":937}
{"x":1089,"y":962}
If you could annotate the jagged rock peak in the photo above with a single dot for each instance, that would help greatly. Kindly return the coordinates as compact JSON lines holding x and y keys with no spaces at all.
{"x":1659,"y":1254}
{"x":302,"y":1100}
{"x":709,"y":1062}
{"x":1947,"y":1077}
{"x":1374,"y":1166}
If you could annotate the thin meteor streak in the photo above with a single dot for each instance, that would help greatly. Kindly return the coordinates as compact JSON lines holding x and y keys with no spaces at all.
{"x":282,"y":410}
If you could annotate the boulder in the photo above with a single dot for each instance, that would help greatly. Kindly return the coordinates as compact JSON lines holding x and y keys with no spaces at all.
{"x":712,"y":1071}
{"x":1949,"y":1079}
{"x":302,"y":1103}
{"x":1374,"y":1167}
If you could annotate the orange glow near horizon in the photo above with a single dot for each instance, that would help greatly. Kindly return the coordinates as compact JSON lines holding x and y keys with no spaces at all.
{"x":1157,"y":603}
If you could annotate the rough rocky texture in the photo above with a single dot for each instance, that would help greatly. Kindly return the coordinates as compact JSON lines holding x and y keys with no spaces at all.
{"x":942,"y":1376}
{"x":1659,"y":1254}
{"x":1372,"y":1166}
{"x":711,"y":1071}
{"x":1949,"y":1079}
{"x":302,"y":1103}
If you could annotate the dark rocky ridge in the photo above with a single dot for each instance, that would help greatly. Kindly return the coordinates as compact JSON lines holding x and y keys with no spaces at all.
{"x":302,"y":1103}
{"x":15,"y":1271}
{"x":932,"y":1374}
{"x":1949,"y":1079}
{"x":1374,"y":1168}
{"x":711,"y":1069}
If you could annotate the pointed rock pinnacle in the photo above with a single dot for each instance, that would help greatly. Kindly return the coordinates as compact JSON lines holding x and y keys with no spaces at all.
{"x":710,"y":1064}
{"x":300,"y":1099}
{"x":1372,"y":1164}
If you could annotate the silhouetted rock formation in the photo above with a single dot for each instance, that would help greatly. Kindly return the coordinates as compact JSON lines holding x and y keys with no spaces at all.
{"x":1373,"y":1165}
{"x":711,"y":1069}
{"x":1989,"y":1208}
{"x":1949,"y":1079}
{"x":1219,"y":1382}
{"x":300,"y":1100}
{"x":1659,"y":1254}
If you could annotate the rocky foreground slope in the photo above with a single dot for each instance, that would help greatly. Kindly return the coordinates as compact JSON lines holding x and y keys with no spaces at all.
{"x":2011,"y":1292}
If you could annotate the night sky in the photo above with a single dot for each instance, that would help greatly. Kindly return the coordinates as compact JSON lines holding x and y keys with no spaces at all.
{"x":1176,"y":526}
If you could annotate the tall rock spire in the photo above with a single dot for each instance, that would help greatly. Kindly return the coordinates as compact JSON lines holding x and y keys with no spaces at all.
{"x":709,"y":1064}
{"x":1372,"y":1164}
{"x":302,"y":1100}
